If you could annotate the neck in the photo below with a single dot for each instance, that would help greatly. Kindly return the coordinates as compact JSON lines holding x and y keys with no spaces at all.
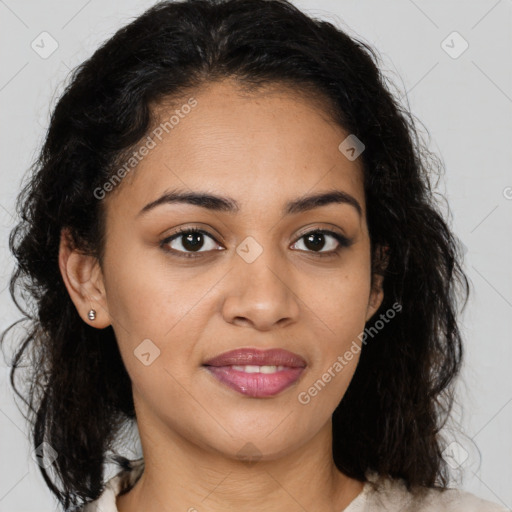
{"x":179,"y":475}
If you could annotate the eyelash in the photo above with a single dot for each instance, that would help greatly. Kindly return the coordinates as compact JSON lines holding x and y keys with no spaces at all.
{"x":343,"y":242}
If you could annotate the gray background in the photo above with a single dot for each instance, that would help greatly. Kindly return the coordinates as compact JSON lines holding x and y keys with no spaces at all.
{"x":464,"y":102}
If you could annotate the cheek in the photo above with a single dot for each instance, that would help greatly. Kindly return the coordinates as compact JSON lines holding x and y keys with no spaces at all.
{"x":145,"y":299}
{"x":337,"y":349}
{"x":156,"y":316}
{"x":341,"y":301}
{"x":338,"y":311}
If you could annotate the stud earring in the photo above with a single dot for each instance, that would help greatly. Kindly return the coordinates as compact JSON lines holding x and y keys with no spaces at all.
{"x":92,"y":314}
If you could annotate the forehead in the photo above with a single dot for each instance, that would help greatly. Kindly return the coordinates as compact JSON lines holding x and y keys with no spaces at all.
{"x":263,"y":147}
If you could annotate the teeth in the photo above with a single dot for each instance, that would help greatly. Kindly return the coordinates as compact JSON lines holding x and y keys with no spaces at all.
{"x":258,"y":369}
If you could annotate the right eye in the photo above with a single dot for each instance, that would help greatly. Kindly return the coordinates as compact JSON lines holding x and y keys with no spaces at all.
{"x":188,"y":241}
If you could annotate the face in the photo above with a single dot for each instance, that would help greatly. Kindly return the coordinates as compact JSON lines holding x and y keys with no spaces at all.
{"x":261,"y":271}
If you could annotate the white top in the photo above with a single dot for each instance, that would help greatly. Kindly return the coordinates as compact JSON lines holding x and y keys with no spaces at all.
{"x":388,"y":496}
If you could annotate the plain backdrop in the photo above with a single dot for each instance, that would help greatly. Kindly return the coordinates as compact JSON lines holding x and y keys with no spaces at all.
{"x":452,"y":61}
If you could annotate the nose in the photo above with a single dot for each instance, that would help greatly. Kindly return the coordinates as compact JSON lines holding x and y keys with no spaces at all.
{"x":260,"y":293}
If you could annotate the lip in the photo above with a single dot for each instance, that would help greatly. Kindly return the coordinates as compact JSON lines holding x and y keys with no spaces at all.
{"x":251,"y":356}
{"x":256,"y":385}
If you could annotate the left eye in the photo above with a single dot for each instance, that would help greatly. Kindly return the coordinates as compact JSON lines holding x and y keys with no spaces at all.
{"x":314,"y":241}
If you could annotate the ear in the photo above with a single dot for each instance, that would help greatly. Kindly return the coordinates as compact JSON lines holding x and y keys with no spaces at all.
{"x":84,"y":281}
{"x":377,"y":291}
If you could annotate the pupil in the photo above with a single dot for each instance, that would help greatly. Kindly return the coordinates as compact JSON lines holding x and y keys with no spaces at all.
{"x":316,"y":240}
{"x":190,"y":244}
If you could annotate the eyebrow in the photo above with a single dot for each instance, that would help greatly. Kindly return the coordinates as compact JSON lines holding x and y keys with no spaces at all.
{"x":229,"y":205}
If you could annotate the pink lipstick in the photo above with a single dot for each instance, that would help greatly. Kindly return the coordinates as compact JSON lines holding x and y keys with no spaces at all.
{"x":257,"y":373}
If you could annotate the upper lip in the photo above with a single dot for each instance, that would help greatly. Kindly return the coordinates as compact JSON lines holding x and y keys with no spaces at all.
{"x":251,"y":356}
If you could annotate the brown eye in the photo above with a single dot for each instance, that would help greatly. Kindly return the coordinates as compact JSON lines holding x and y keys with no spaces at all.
{"x":319,"y":239}
{"x":189,"y":241}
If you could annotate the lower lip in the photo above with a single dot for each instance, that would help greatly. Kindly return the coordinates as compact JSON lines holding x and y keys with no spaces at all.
{"x":258,"y":385}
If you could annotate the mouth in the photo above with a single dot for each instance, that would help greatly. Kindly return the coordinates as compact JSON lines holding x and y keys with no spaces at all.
{"x":257,"y":373}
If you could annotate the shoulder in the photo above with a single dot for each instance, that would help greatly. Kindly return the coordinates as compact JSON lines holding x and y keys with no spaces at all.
{"x":385,"y":494}
{"x":123,"y":481}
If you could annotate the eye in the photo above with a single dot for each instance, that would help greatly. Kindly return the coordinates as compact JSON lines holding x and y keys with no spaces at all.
{"x":315,"y":241}
{"x":188,"y":241}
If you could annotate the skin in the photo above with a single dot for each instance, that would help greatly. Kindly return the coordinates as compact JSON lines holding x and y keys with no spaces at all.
{"x":261,"y":149}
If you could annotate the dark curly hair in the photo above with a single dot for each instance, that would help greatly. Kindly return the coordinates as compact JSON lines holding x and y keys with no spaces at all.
{"x":78,"y":393}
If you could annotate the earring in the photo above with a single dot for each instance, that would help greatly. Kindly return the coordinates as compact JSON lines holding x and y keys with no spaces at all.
{"x":92,"y":314}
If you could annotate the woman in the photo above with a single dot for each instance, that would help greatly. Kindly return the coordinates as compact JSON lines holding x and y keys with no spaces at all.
{"x":231,"y":240}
